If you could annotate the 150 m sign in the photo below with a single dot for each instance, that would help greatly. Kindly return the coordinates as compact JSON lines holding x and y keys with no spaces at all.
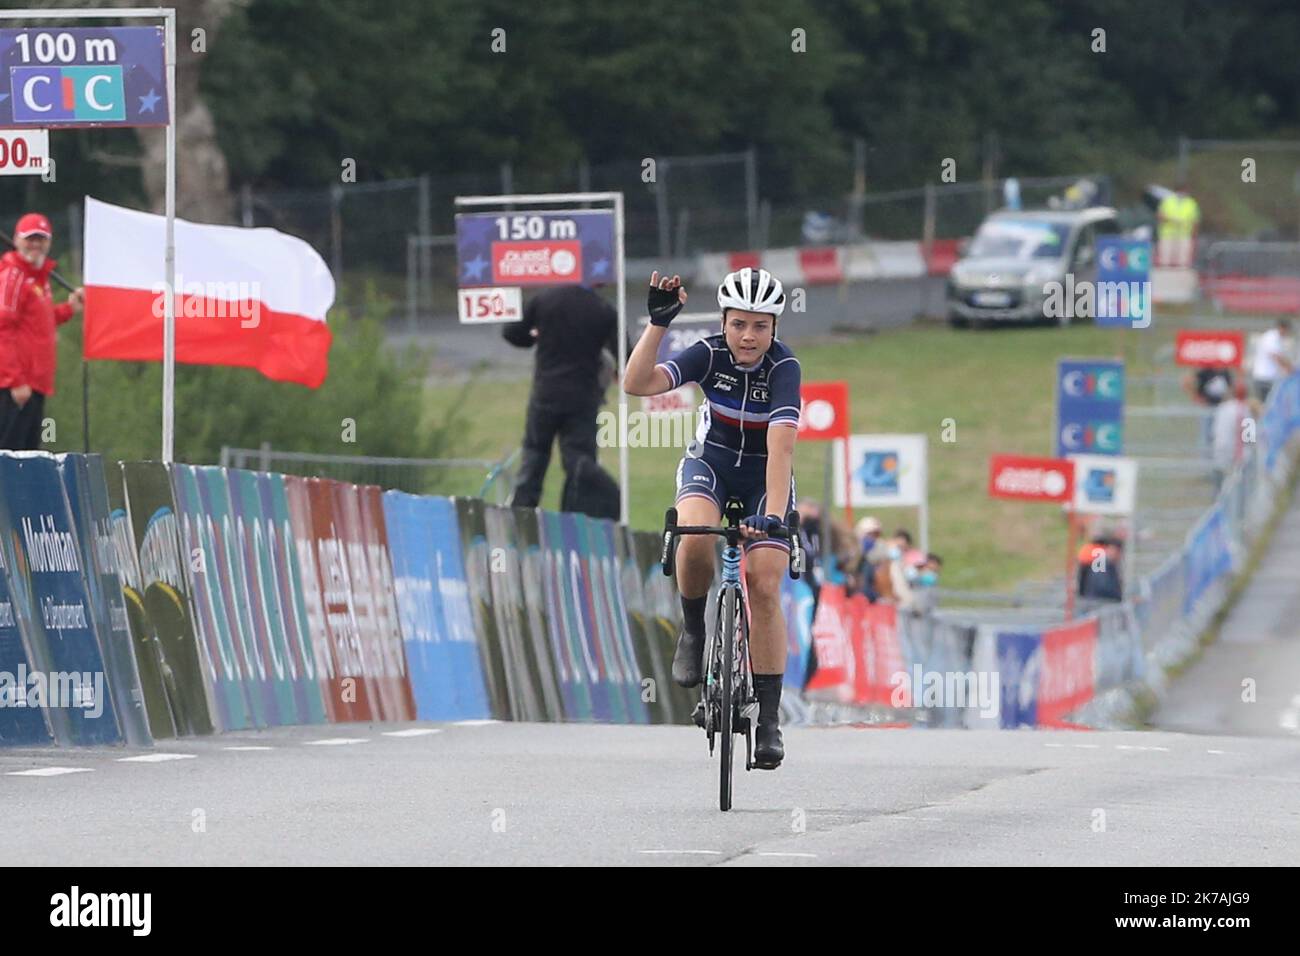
{"x":490,"y":305}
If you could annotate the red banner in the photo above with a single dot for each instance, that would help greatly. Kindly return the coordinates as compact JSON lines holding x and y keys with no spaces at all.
{"x":1065,"y":681}
{"x":1213,"y":349}
{"x":831,"y":630}
{"x":1031,"y":479}
{"x":825,"y":412}
{"x":877,"y":654}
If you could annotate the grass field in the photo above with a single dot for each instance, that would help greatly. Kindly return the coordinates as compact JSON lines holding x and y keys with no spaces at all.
{"x":997,"y":387}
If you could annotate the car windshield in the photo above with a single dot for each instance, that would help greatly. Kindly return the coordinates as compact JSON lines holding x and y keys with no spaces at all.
{"x":1020,"y":239}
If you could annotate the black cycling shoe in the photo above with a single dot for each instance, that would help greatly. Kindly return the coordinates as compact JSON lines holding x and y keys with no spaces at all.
{"x":769,"y":751}
{"x":688,"y":660}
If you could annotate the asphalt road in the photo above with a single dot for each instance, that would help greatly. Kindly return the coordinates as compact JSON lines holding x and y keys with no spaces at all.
{"x":583,"y":794}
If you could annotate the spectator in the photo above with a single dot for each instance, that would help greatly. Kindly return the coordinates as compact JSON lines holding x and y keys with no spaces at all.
{"x":1274,"y":358}
{"x":1208,"y":386}
{"x":867,"y":531}
{"x":890,"y":580}
{"x":810,"y":534}
{"x":1177,"y":217}
{"x":924,"y":584}
{"x":1099,"y":569}
{"x":570,"y":325}
{"x":1229,"y":421}
{"x":28,"y":345}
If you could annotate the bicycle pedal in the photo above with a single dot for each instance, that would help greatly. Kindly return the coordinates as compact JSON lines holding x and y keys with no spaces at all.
{"x":697,"y":715}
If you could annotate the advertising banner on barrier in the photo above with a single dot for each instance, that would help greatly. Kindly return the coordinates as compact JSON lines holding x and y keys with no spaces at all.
{"x":398,"y":702}
{"x":832,"y":635}
{"x":152,"y":510}
{"x":1066,"y":679}
{"x":20,"y":725}
{"x":663,"y":619}
{"x":523,"y":667}
{"x":206,"y":535}
{"x":651,"y":663}
{"x":83,"y":481}
{"x":298,"y":501}
{"x":1209,"y":556}
{"x":474,"y":552}
{"x":50,"y":594}
{"x":1019,"y":659}
{"x":148,"y":654}
{"x":878,"y":656}
{"x":608,"y":598}
{"x":378,"y":649}
{"x":797,"y":609}
{"x":258,"y":601}
{"x":575,"y":668}
{"x":433,"y":608}
{"x":287,"y":580}
{"x":349,"y":693}
{"x":528,"y":535}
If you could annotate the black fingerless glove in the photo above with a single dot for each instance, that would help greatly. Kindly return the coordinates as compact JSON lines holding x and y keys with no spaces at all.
{"x":663,"y":306}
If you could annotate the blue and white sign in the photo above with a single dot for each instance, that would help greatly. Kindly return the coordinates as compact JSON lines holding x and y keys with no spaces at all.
{"x":884,"y":471}
{"x":1089,"y":407}
{"x":1123,"y":282}
{"x":1104,"y":484}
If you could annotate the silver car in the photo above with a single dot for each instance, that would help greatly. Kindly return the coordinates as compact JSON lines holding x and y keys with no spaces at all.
{"x":1016,"y":259}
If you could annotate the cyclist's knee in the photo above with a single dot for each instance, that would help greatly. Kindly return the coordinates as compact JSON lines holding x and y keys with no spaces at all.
{"x":765,"y":567}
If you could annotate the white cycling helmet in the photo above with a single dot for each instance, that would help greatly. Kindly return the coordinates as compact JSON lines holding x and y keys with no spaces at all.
{"x":752,"y":290}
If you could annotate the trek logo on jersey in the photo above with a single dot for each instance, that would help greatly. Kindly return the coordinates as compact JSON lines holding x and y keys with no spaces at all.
{"x":67,"y":94}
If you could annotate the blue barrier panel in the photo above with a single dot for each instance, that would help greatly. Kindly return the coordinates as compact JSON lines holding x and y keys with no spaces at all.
{"x":283,"y":555}
{"x":531,"y":564}
{"x":652,"y":663}
{"x":211,"y":602}
{"x":20,"y":723}
{"x":261,"y":597}
{"x":606,"y":705}
{"x":164,"y":571}
{"x":797,"y":608}
{"x":607,"y":594}
{"x":442,"y":656}
{"x":1209,"y":556}
{"x":1019,"y":660}
{"x":573,"y":666}
{"x":48,"y":579}
{"x":83,"y":481}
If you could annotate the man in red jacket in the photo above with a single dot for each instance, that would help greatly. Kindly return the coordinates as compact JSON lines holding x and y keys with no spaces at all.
{"x":28,"y":316}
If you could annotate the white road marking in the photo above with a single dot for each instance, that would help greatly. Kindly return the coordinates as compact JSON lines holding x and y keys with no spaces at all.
{"x":337,"y":741}
{"x":474,"y":723}
{"x":688,"y":852}
{"x":249,"y":747}
{"x":155,"y":758}
{"x":1216,"y":751}
{"x":49,"y":771}
{"x":808,"y":856}
{"x":1088,"y":746}
{"x":1053,"y":745}
{"x":413,"y":732}
{"x":1132,"y":747}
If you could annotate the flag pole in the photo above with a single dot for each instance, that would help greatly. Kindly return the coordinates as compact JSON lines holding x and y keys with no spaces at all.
{"x":169,"y":255}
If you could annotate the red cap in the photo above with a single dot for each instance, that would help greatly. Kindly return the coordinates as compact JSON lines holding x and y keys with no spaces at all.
{"x":33,"y":224}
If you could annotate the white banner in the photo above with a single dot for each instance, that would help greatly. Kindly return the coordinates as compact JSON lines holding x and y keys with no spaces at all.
{"x":885,"y":470}
{"x":1104,"y":484}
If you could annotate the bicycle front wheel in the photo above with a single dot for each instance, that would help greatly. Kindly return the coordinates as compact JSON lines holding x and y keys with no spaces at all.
{"x":728,"y":638}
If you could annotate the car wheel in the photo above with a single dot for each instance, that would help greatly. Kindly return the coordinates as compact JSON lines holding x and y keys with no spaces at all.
{"x":957,"y":321}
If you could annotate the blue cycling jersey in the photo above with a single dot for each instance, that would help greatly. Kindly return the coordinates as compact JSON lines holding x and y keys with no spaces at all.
{"x":740,"y":401}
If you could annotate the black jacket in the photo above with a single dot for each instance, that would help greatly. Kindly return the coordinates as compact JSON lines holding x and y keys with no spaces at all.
{"x":573,"y":325}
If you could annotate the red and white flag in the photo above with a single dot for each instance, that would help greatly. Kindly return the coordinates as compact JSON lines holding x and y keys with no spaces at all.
{"x":255,"y":298}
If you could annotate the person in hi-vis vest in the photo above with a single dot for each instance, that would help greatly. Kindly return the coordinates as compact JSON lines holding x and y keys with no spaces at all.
{"x":1178,"y":216}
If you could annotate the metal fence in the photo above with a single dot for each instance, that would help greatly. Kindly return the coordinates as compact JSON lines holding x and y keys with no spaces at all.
{"x":475,"y":477}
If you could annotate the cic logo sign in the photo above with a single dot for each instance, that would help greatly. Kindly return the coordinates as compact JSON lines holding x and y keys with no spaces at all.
{"x":67,"y":94}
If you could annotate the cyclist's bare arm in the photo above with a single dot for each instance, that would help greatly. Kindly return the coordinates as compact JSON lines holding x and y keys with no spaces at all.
{"x":641,"y":376}
{"x":780,"y":464}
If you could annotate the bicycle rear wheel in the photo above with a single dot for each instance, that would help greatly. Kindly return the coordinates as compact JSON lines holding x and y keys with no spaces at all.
{"x":728,"y":638}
